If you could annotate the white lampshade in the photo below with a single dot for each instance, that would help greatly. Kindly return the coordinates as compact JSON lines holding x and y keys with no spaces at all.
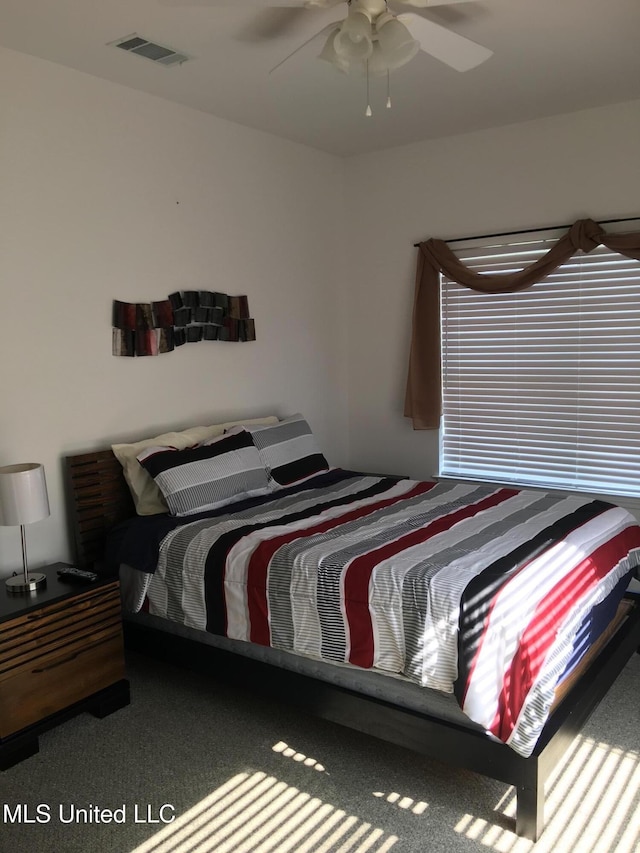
{"x":396,"y":42}
{"x":23,"y":494}
{"x":353,"y":42}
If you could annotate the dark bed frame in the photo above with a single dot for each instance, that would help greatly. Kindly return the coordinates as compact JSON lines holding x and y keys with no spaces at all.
{"x":99,"y":498}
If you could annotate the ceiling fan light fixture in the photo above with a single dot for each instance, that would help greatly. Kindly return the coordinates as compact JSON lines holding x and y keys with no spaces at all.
{"x":329,"y":54}
{"x":396,"y":42}
{"x":354,"y":40}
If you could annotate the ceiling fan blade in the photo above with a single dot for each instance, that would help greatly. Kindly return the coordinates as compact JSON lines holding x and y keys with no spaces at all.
{"x":457,"y":51}
{"x":249,"y":4}
{"x":273,"y":22}
{"x":332,"y":25}
{"x":424,"y":4}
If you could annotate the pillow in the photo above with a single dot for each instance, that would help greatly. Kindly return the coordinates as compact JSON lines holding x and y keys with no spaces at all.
{"x":146,"y":495}
{"x":208,"y":476}
{"x":288,"y":451}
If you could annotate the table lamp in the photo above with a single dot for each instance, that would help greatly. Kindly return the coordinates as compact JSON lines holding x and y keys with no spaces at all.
{"x":23,"y":499}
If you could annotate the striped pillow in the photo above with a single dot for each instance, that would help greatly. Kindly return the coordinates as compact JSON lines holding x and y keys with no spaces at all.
{"x":207,"y":476}
{"x":288,"y":451}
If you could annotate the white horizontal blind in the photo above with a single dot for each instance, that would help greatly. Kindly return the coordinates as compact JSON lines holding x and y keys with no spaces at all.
{"x":542,"y":387}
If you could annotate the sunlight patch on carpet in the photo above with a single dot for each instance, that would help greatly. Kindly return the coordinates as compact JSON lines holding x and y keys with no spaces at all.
{"x":289,"y":752}
{"x":257,"y":813}
{"x":592,"y":805}
{"x":407,"y":803}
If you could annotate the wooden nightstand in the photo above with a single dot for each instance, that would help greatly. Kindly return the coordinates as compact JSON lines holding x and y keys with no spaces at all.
{"x":61,"y":652}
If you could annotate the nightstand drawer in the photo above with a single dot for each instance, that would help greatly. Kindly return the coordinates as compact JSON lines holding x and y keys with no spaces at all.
{"x":61,"y":653}
{"x":61,"y":627}
{"x":58,"y":680}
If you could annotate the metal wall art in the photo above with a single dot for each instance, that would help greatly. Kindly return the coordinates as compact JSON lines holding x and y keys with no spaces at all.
{"x":186,"y":317}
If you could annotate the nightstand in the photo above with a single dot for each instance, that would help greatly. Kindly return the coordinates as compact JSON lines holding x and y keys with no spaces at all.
{"x":61,"y":652}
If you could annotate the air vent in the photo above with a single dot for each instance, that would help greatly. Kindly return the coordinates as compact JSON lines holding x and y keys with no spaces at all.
{"x":158,"y":53}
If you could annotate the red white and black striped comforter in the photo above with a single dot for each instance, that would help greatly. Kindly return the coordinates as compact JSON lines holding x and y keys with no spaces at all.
{"x":475,"y":590}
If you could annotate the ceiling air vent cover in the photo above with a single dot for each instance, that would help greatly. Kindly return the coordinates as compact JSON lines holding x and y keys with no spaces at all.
{"x":158,"y":53}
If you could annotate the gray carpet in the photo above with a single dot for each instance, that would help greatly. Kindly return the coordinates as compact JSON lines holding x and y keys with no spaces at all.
{"x":242,"y":774}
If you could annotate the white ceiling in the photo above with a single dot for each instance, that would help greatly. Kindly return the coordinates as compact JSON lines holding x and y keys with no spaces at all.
{"x":550,"y":57}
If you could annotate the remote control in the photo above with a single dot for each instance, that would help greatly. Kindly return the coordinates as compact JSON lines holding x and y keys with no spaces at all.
{"x":73,"y":575}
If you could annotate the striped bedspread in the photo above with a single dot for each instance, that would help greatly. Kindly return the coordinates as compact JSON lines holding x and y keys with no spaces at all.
{"x":475,"y":590}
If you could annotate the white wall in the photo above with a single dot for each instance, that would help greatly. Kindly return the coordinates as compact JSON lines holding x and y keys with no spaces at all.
{"x":107,"y":193}
{"x":540,"y":173}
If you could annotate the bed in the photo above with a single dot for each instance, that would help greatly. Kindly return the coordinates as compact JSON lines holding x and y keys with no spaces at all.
{"x":228,"y":590}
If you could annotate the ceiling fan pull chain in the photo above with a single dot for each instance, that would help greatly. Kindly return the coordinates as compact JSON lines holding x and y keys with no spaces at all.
{"x":368,"y":111}
{"x":388,"y":89}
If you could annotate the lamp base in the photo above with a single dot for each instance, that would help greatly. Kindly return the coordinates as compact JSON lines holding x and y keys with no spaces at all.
{"x":19,"y":585}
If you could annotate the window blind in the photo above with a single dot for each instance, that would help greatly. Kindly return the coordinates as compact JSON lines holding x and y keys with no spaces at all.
{"x":542,"y":387}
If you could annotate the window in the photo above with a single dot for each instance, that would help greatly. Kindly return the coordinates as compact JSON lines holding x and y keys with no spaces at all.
{"x":542,"y":387}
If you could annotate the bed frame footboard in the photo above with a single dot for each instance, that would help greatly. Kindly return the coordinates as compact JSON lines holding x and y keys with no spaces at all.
{"x":421,"y":733}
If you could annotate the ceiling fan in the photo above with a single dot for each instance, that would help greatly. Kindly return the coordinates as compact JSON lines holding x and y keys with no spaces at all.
{"x":372,"y":36}
{"x":371,"y":33}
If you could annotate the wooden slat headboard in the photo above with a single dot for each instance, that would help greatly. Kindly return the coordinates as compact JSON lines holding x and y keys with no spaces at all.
{"x":99,"y":498}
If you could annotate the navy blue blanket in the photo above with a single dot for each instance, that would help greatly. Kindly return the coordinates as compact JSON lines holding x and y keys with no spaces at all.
{"x":136,"y":541}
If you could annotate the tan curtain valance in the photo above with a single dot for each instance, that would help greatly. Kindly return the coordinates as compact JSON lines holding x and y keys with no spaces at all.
{"x":423,"y":401}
